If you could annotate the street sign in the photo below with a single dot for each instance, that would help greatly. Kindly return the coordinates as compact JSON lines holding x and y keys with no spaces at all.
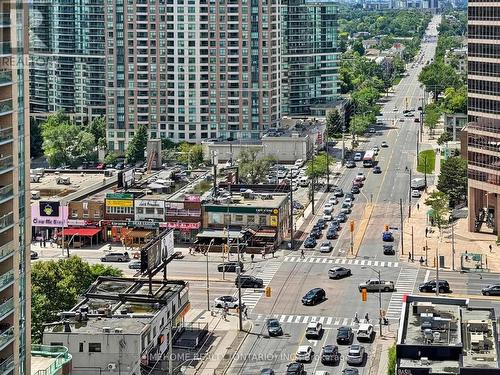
{"x":393,"y":228}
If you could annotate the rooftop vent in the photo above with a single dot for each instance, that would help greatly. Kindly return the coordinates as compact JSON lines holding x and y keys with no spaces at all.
{"x":118,"y":330}
{"x":106,"y":329}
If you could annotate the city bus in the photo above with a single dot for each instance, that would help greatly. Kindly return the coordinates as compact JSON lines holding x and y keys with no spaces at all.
{"x":369,"y":159}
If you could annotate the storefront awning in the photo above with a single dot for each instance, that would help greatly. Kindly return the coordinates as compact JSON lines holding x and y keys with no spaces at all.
{"x":85,"y":232}
{"x":265,"y":234}
{"x":220,"y":233}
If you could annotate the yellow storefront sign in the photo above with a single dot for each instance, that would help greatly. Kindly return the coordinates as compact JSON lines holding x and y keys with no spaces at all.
{"x":274,"y":221}
{"x":119,"y":203}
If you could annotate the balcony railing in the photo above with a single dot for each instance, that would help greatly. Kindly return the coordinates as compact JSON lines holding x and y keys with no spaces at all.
{"x":6,"y":134}
{"x":6,"y":162}
{"x":59,"y":353}
{"x":7,"y":365}
{"x":6,"y":336}
{"x":6,"y":220}
{"x":6,"y":192}
{"x":6,"y":250}
{"x":7,"y":306}
{"x":6,"y":278}
{"x":5,"y":106}
{"x":5,"y":48}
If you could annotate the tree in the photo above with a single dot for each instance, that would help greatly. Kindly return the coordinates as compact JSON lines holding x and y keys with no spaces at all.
{"x":432,"y":114}
{"x":36,"y":140}
{"x":137,"y":146}
{"x":438,"y":76}
{"x":334,"y":122}
{"x":252,"y":168}
{"x":167,"y":144}
{"x":318,"y":166}
{"x":438,"y":201}
{"x":111,"y":157}
{"x":453,"y":179}
{"x":455,"y":100}
{"x":190,"y":154}
{"x":359,"y":124}
{"x":57,"y":285}
{"x":97,"y":127}
{"x":445,"y":137}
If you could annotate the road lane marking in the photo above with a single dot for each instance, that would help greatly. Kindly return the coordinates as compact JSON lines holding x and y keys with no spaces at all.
{"x":427,"y":274}
{"x":322,"y":319}
{"x":337,"y":322}
{"x":344,"y":323}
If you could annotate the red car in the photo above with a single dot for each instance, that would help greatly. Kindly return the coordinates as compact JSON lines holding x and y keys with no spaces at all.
{"x":101,"y":166}
{"x":357,"y":183}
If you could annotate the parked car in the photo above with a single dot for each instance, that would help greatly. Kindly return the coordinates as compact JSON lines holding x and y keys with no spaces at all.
{"x":356,"y":355}
{"x":365,"y":332}
{"x":389,"y":250}
{"x":491,"y":290}
{"x":350,"y":371}
{"x":295,"y":368}
{"x":34,"y":255}
{"x":314,"y":296}
{"x":387,"y":237}
{"x":230,"y":267}
{"x":230,"y":301}
{"x":274,"y":327}
{"x":430,"y":287}
{"x":135,"y":265}
{"x":338,"y":272}
{"x":416,"y":193}
{"x":116,"y":257}
{"x":373,"y":285}
{"x":325,"y":247}
{"x":376,"y":170}
{"x":310,"y":242}
{"x":344,"y":335}
{"x":330,"y":354}
{"x":248,"y":281}
{"x":314,"y":329}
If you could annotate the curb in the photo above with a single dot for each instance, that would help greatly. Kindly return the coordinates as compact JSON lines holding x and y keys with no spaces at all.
{"x":247,"y":332}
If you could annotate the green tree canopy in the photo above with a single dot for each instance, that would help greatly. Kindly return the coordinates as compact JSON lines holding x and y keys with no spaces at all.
{"x":190,"y":154}
{"x":444,"y":137}
{"x":97,"y":127}
{"x":137,"y":146}
{"x":455,"y":100}
{"x":357,"y":46}
{"x":438,"y":202}
{"x":334,"y":122}
{"x":453,"y":179}
{"x":57,"y":285}
{"x":252,"y":168}
{"x":432,"y":114}
{"x":318,"y":165}
{"x":438,"y":76}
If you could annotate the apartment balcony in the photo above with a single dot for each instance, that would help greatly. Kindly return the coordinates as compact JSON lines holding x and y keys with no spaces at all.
{"x":6,"y":135}
{"x":6,"y":221}
{"x":6,"y":107}
{"x":4,"y":19}
{"x":6,"y":193}
{"x":60,"y":358}
{"x":5,"y":48}
{"x":5,"y":78}
{"x":6,"y":280}
{"x":6,"y":308}
{"x":7,"y":366}
{"x":6,"y":337}
{"x":6,"y":164}
{"x":6,"y":251}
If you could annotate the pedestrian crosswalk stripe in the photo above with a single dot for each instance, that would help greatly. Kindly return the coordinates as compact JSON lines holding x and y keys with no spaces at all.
{"x":337,"y":322}
{"x":322,"y":319}
{"x":356,"y":261}
{"x":282,"y":318}
{"x":344,"y":323}
{"x":329,"y":320}
{"x":343,"y":261}
{"x":297,"y":319}
{"x":324,"y":260}
{"x":404,"y":285}
{"x":306,"y":318}
{"x":376,"y":263}
{"x":290,"y":318}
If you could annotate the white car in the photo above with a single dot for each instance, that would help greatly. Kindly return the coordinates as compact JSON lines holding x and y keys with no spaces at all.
{"x":328,"y":208}
{"x":376,"y":149}
{"x":326,"y":247}
{"x":360,"y":176}
{"x":348,"y":200}
{"x":415,"y":193}
{"x":384,"y":144}
{"x":357,"y":156}
{"x":395,"y":109}
{"x":333,"y":200}
{"x":304,"y":353}
{"x":327,"y":217}
{"x":229,"y":301}
{"x":338,"y":272}
{"x":299,"y":163}
{"x":314,"y":329}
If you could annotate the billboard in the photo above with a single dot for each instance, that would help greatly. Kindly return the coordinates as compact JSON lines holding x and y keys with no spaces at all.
{"x":157,"y":250}
{"x":126,"y":179}
{"x":49,"y":208}
{"x":48,"y":215}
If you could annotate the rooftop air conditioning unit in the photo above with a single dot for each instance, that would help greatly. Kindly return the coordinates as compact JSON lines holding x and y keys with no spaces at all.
{"x":111,"y":366}
{"x":106,"y":329}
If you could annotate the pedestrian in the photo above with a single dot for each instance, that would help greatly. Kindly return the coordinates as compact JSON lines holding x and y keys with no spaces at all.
{"x":302,"y":254}
{"x":44,"y":242}
{"x":491,"y":248}
{"x":356,"y":319}
{"x":252,"y":257}
{"x":190,"y":250}
{"x":426,"y":231}
{"x":245,"y":312}
{"x":263,"y":252}
{"x":367,"y":319}
{"x":51,"y":242}
{"x":109,"y":247}
{"x":418,"y":207}
{"x":421,"y":261}
{"x":275,"y":250}
{"x":41,"y":241}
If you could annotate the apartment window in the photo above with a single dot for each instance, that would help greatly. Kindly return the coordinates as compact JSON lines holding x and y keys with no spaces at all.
{"x":150,"y":211}
{"x":238,"y":218}
{"x":94,"y":347}
{"x":81,"y":348}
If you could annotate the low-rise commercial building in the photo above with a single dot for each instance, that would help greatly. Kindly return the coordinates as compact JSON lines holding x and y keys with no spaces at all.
{"x":118,"y":328}
{"x":446,"y":336}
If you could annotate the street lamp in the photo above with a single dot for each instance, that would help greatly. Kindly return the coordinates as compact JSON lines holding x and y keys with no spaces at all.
{"x":208,"y":285}
{"x":379,"y":297}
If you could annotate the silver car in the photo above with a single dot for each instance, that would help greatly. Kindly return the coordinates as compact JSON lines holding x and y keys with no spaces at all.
{"x":326,"y":247}
{"x":338,"y":272}
{"x":356,"y":355}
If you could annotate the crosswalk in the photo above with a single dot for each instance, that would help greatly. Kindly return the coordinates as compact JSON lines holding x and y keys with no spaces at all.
{"x":343,"y":261}
{"x":404,"y":285}
{"x":266,"y":273}
{"x":327,"y":321}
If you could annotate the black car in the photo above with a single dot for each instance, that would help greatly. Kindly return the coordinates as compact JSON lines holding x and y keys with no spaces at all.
{"x":229,"y":267}
{"x":350,"y":371}
{"x":331,"y":234}
{"x":377,"y":170}
{"x":338,"y":192}
{"x":274,"y":327}
{"x":335,"y":224}
{"x":491,"y":290}
{"x":419,"y":108}
{"x":342,"y":217}
{"x":267,"y":371}
{"x":344,"y":335}
{"x":295,"y":368}
{"x":316,"y":233}
{"x":430,"y":286}
{"x":34,"y":255}
{"x":248,"y":281}
{"x":317,"y":226}
{"x":314,"y":296}
{"x":330,"y":354}
{"x":355,"y":190}
{"x":310,"y":242}
{"x":321,"y":223}
{"x":389,"y":250}
{"x":350,"y":164}
{"x":349,"y":195}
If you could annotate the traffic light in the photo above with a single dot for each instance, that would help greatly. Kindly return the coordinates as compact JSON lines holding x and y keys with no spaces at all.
{"x":364,"y":295}
{"x":268,"y":291}
{"x":386,"y":227}
{"x":351,"y":226}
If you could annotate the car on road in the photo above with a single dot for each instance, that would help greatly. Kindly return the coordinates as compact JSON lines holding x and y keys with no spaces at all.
{"x":389,"y":250}
{"x":333,"y":200}
{"x":327,"y":217}
{"x":331,"y":233}
{"x":491,"y":290}
{"x":338,"y":192}
{"x":310,"y":242}
{"x":384,"y":144}
{"x":346,"y":208}
{"x":33,"y":255}
{"x":358,"y":156}
{"x":376,"y":170}
{"x":229,"y":267}
{"x":335,"y":224}
{"x":316,"y":233}
{"x":365,"y":332}
{"x":350,"y":371}
{"x":267,"y":371}
{"x":314,"y":296}
{"x":387,"y":236}
{"x":230,"y":301}
{"x":330,"y":354}
{"x":116,"y":257}
{"x":357,"y":183}
{"x":295,"y":368}
{"x":416,"y":119}
{"x":248,"y":281}
{"x":342,"y":217}
{"x":419,"y":108}
{"x":344,"y":335}
{"x":325,"y":247}
{"x":355,"y":190}
{"x":376,"y":149}
{"x":349,"y":197}
{"x":416,"y":193}
{"x":372,"y":130}
{"x":374,"y":285}
{"x":395,"y":109}
{"x":338,"y":272}
{"x":321,"y":223}
{"x":350,"y":164}
{"x":356,"y":355}
{"x":274,"y":327}
{"x":430,"y":286}
{"x":135,"y":265}
{"x":328,"y":208}
{"x":360,"y":176}
{"x":314,"y":330}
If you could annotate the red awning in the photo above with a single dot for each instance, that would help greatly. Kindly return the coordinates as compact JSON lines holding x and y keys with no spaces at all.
{"x":86,"y":232}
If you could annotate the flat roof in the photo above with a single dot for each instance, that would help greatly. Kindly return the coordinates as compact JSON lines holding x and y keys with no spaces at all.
{"x":129,"y":325}
{"x":41,"y":363}
{"x":50,"y":190}
{"x":261,"y":200}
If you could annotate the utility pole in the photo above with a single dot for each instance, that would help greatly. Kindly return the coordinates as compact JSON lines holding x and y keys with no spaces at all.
{"x":343,"y":145}
{"x":437,"y":268}
{"x":208,"y":283}
{"x":312,"y":182}
{"x":215,"y":173}
{"x":291,"y":217}
{"x":401,"y":216}
{"x":425,"y":171}
{"x":327,"y":165}
{"x":452,"y":247}
{"x":379,"y":303}
{"x":412,"y":243}
{"x":240,"y":317}
{"x":409,"y":196}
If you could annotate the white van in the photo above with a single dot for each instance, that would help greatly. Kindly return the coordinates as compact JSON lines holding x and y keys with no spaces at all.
{"x":304,"y":181}
{"x":35,"y":194}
